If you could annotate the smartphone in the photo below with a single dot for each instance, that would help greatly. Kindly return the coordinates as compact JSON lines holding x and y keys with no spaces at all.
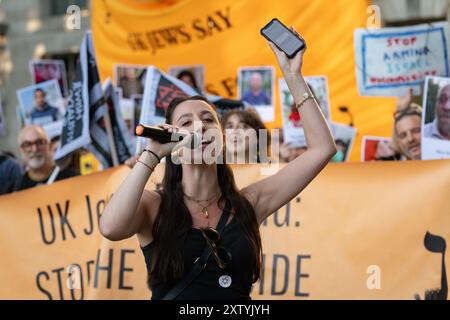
{"x":283,"y":37}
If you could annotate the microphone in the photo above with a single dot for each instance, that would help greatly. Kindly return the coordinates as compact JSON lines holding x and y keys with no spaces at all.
{"x":163,"y":136}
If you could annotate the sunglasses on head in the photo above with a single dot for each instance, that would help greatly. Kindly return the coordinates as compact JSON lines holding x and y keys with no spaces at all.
{"x":410,"y":110}
{"x":221,"y":255}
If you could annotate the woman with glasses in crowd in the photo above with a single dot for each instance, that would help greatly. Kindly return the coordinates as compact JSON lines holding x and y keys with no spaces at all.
{"x":200,"y":207}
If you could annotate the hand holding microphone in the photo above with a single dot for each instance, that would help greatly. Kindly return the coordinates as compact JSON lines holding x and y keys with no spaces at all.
{"x":165,"y":137}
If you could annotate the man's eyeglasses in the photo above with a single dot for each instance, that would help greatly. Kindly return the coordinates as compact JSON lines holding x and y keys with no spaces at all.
{"x":413,"y":109}
{"x":221,"y":255}
{"x":27,"y":145}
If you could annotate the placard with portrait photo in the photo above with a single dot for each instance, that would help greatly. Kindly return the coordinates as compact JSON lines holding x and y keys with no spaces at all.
{"x":256,"y":89}
{"x":193,"y":75}
{"x":436,"y":119}
{"x":344,"y":137}
{"x":44,"y":70}
{"x":376,"y":149}
{"x":130,"y":78}
{"x":43,"y":104}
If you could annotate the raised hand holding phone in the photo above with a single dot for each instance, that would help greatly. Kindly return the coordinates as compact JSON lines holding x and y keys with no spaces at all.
{"x":289,"y":66}
{"x":284,"y":38}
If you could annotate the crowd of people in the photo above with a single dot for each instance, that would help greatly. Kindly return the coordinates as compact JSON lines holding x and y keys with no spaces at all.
{"x":246,"y":135}
{"x":37,"y":166}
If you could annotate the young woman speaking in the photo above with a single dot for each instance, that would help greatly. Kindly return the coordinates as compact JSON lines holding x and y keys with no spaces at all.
{"x":200,"y":233}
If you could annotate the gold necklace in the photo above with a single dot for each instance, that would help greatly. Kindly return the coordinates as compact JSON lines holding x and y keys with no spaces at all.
{"x":204,"y":208}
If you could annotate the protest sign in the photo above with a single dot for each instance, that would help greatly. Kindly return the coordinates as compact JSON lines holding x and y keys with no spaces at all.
{"x":389,"y":61}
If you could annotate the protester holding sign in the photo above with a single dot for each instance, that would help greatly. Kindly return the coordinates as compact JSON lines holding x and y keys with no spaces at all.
{"x":199,"y":195}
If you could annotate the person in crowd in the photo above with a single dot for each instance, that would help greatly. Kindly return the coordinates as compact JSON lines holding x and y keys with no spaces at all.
{"x":440,"y":127}
{"x":245,"y":135}
{"x":256,"y":95}
{"x":200,"y":209}
{"x":37,"y":155}
{"x":43,"y":113}
{"x":10,"y":170}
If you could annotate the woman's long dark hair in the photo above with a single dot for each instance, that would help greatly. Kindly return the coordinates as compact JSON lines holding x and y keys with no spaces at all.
{"x":174,"y":220}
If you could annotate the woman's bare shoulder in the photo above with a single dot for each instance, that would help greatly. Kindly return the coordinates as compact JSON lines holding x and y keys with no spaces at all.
{"x":151,"y":200}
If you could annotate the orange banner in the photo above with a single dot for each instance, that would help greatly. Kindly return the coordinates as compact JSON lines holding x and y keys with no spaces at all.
{"x":224,"y":35}
{"x":358,"y":238}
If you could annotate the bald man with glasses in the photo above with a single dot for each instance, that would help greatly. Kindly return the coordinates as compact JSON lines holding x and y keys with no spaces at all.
{"x":37,"y":155}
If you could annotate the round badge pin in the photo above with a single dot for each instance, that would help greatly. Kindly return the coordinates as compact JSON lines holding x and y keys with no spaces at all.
{"x":225,"y":281}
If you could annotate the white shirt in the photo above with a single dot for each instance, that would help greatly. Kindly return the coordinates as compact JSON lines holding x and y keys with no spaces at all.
{"x":431,"y":130}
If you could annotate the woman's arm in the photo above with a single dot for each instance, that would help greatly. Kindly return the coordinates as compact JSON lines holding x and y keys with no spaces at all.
{"x":130,"y":205}
{"x":132,"y":209}
{"x":269,"y":194}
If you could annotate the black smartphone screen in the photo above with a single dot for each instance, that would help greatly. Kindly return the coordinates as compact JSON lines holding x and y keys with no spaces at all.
{"x":283,"y":38}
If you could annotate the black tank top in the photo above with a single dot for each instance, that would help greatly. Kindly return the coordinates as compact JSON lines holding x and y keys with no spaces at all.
{"x":233,"y":282}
